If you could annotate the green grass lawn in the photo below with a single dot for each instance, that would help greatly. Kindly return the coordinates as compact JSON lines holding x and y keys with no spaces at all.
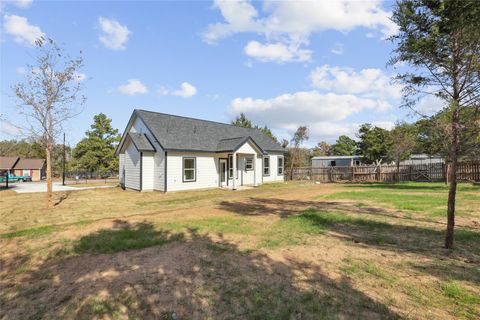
{"x":426,"y":198}
{"x":282,"y":251}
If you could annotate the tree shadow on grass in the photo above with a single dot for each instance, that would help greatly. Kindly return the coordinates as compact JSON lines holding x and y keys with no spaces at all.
{"x":371,"y":227}
{"x":286,"y":208}
{"x":407,"y":186}
{"x":196,"y":278}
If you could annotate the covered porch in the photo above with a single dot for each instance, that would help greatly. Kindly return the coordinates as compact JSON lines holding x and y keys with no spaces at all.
{"x":242,"y":166}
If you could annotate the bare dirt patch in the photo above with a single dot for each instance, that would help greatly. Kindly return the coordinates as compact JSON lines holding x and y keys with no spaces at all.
{"x":279,"y":252}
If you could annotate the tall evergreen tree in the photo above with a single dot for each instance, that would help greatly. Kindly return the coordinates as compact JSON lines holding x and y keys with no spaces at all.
{"x":440,"y":40}
{"x":344,"y":146}
{"x":374,"y":143}
{"x":242,"y":121}
{"x":96,"y":152}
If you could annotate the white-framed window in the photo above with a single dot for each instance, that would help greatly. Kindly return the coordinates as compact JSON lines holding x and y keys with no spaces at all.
{"x":189,"y":169}
{"x":280,"y":166}
{"x":248,"y":164}
{"x":230,"y":166}
{"x":266,"y":166}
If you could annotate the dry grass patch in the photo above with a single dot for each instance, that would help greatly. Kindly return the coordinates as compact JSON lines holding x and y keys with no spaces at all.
{"x":284,"y":251}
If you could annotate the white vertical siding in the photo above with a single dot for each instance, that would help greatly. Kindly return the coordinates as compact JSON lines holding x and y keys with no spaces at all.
{"x":259,"y":169}
{"x":206,"y":171}
{"x":159,"y":170}
{"x":247,"y":148}
{"x":247,"y":176}
{"x":207,"y":166}
{"x":132,"y":167}
{"x":158,"y":173}
{"x":121,"y":168}
{"x":274,"y":176}
{"x":147,"y":171}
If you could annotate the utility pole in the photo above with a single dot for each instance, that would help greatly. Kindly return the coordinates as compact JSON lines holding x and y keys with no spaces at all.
{"x":64,"y":160}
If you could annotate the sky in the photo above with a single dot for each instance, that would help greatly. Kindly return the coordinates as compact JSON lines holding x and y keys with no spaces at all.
{"x":317,"y":63}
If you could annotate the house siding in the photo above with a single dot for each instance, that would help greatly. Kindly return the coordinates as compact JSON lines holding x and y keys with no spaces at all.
{"x":247,"y":148}
{"x":147,"y":171}
{"x":274,"y":176}
{"x":121,"y":168}
{"x":206,"y":171}
{"x":132,"y":167}
{"x":246,"y":176}
{"x":158,"y":173}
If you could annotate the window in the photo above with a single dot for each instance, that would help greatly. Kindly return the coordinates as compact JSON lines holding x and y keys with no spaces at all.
{"x":266,"y":166}
{"x":248,"y":164}
{"x":189,"y":169}
{"x":280,"y":166}
{"x":230,"y":166}
{"x":333,"y":163}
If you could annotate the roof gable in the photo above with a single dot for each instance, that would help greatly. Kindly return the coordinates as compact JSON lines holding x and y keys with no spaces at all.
{"x":181,"y":133}
{"x":141,"y":141}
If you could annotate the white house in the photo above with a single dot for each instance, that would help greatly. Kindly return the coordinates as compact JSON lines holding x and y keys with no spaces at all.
{"x":168,"y":153}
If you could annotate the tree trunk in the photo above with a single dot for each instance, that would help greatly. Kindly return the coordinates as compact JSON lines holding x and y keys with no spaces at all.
{"x":452,"y":192}
{"x":398,"y":170}
{"x":292,"y":160}
{"x":49,"y":177}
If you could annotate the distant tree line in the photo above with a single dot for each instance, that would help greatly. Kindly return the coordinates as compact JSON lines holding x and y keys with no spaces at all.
{"x":378,"y":145}
{"x":94,"y":153}
{"x":375,"y":144}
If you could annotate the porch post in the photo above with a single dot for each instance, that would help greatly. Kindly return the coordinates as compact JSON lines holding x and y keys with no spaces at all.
{"x":234,"y":160}
{"x":255,"y":170}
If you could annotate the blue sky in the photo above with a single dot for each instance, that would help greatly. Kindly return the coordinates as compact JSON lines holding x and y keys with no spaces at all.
{"x":318,"y":63}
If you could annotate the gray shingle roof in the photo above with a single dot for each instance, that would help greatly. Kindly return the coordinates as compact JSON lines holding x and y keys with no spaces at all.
{"x":141,"y":141}
{"x":181,"y":133}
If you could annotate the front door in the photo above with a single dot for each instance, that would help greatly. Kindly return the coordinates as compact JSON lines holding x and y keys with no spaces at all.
{"x":223,"y":172}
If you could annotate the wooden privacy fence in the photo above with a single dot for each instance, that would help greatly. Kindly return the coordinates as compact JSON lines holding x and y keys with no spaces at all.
{"x":467,"y":171}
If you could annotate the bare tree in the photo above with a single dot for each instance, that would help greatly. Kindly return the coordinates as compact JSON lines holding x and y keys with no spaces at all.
{"x":49,"y":97}
{"x":298,"y":138}
{"x":403,"y":138}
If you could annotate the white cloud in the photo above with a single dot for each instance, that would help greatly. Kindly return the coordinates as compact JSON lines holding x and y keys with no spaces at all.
{"x":23,"y":3}
{"x":239,"y":17}
{"x":21,"y":29}
{"x":186,"y":90}
{"x":367,"y":82}
{"x":292,"y":22}
{"x":277,"y":52}
{"x":429,"y":105}
{"x":8,"y":128}
{"x":115,"y":35}
{"x":387,"y":125}
{"x":337,"y":49}
{"x":21,"y":71}
{"x":80,"y":77}
{"x":303,"y":107}
{"x":133,"y":87}
{"x":328,"y":114}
